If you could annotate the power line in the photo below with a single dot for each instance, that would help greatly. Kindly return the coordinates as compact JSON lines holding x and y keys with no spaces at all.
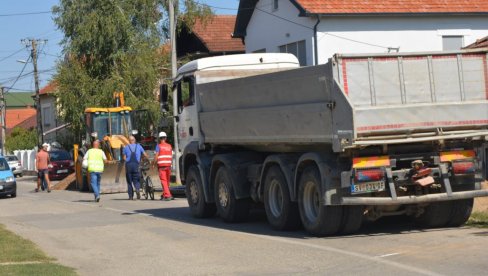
{"x":21,"y":71}
{"x":298,"y":24}
{"x":24,"y":13}
{"x":11,"y":55}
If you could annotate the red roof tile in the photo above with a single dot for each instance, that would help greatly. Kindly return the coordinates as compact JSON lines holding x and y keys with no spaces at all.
{"x":216,"y":34}
{"x":20,"y":117}
{"x":393,"y":6}
{"x":51,"y":87}
{"x":480,"y":43}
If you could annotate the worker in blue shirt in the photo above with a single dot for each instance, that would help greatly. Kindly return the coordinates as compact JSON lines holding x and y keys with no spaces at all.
{"x":132,"y":156}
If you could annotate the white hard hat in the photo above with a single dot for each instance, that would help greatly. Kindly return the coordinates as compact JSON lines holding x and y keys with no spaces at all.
{"x":45,"y":145}
{"x":162,"y":134}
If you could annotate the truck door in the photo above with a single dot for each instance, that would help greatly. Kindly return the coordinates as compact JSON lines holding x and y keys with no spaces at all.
{"x":188,"y":127}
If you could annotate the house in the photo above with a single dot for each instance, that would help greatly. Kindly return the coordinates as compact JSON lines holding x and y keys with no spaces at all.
{"x":49,"y":117}
{"x":209,"y":38}
{"x":20,"y":111}
{"x":314,"y":30}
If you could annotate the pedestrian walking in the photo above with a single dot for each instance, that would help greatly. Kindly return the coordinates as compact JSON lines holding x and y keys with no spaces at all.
{"x":96,"y":159}
{"x":42,"y":165}
{"x":163,"y":158}
{"x":132,"y":156}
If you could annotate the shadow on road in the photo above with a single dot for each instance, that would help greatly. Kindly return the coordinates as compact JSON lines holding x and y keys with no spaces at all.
{"x":257,"y":224}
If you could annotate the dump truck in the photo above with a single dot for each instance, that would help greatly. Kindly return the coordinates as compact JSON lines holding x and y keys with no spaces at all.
{"x":112,"y":126}
{"x":327,"y":147}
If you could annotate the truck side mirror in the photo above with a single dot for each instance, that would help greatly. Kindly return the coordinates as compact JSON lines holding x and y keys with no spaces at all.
{"x":163,"y":97}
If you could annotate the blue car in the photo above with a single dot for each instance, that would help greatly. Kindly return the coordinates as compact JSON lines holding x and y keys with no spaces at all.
{"x":8,"y":186}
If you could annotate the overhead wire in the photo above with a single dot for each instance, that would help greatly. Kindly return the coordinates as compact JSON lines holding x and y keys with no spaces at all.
{"x":299,"y":24}
{"x":13,"y":54}
{"x":24,"y":13}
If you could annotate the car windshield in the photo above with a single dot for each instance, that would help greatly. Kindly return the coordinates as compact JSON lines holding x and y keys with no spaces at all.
{"x":4,"y":165}
{"x":11,"y":158}
{"x":59,"y":155}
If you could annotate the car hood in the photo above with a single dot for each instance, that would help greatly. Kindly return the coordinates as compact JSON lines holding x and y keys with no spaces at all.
{"x":5,"y":174}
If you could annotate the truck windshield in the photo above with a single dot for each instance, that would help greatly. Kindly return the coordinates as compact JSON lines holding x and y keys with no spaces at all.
{"x":116,"y":123}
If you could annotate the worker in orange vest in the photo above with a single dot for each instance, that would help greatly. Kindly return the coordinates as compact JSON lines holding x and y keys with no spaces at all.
{"x":163,"y":158}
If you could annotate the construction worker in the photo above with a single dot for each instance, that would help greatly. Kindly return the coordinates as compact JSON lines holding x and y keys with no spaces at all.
{"x":132,"y":156}
{"x":96,"y":160}
{"x":162,"y":159}
{"x":42,"y":163}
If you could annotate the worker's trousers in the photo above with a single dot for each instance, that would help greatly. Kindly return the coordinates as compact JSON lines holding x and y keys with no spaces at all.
{"x":133,"y":177}
{"x":165,"y":176}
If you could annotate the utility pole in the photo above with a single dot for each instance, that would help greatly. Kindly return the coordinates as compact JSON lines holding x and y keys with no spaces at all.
{"x":34,"y":43}
{"x":174,"y":69}
{"x":3,"y":107}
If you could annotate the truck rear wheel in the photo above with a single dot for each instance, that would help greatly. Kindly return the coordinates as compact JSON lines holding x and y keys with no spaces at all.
{"x":229,"y":208}
{"x":435,"y":215}
{"x":461,"y":211}
{"x":195,"y":196}
{"x":317,"y":219}
{"x":281,"y":212}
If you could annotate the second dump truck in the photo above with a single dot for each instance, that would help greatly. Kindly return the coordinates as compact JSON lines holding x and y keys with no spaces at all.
{"x":327,"y":146}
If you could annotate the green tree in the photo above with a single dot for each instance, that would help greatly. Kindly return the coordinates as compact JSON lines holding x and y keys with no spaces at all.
{"x":21,"y":139}
{"x":113,"y":45}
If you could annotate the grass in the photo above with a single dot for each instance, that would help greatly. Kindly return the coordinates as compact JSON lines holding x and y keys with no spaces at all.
{"x":478,"y":219}
{"x":14,"y":250}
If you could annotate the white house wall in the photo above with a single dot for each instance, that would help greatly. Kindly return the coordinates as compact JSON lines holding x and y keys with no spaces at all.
{"x":336,"y":34}
{"x":268,"y":32}
{"x":410,"y":34}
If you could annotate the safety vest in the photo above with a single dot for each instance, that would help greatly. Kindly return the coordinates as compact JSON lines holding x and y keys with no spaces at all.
{"x":95,"y":160}
{"x":165,"y":155}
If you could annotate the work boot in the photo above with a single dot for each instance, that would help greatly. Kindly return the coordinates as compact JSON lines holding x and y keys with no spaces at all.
{"x":168,"y":198}
{"x":138,"y":195}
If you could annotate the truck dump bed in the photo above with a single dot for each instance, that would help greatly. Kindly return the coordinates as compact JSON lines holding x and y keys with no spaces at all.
{"x":352,"y":101}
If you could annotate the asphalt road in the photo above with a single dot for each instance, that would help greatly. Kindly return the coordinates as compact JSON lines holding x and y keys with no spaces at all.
{"x":121,"y":237}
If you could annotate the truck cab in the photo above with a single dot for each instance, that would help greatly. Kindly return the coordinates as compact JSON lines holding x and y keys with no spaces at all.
{"x":213,"y":69}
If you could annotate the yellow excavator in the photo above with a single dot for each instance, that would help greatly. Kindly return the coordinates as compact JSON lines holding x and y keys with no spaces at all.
{"x":112,"y":126}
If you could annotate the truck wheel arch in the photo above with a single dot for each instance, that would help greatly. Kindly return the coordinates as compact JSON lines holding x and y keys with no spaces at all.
{"x":325,"y":168}
{"x":287,"y":164}
{"x":192,"y":157}
{"x":237,"y":163}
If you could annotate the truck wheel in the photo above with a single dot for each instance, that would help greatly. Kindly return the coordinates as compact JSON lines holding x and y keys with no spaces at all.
{"x":195,"y":196}
{"x":461,"y":211}
{"x":281,"y":212}
{"x":317,"y":219}
{"x":435,"y":215}
{"x":352,"y":219}
{"x":229,"y":208}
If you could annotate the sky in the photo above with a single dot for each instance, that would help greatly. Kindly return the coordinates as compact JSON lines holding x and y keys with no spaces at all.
{"x":14,"y":28}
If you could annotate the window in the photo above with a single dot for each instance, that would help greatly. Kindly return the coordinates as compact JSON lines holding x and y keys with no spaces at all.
{"x":296,"y":48}
{"x":260,"y":51}
{"x":186,"y":95}
{"x":275,"y":5}
{"x":46,"y":116}
{"x":452,"y":42}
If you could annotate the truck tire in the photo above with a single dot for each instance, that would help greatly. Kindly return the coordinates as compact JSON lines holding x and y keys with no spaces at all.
{"x":281,"y":212}
{"x":435,"y":215}
{"x":461,"y":211}
{"x":229,"y":208}
{"x":317,"y":219}
{"x":352,"y":219}
{"x":195,"y":195}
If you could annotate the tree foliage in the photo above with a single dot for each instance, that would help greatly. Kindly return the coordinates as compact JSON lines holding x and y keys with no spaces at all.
{"x":113,"y":45}
{"x":21,"y":139}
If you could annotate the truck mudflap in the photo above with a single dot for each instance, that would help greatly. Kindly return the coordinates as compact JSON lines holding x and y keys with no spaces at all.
{"x":412,"y":199}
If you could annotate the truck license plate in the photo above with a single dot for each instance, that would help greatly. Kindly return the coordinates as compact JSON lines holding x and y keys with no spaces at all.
{"x":62,"y":171}
{"x":368,"y":187}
